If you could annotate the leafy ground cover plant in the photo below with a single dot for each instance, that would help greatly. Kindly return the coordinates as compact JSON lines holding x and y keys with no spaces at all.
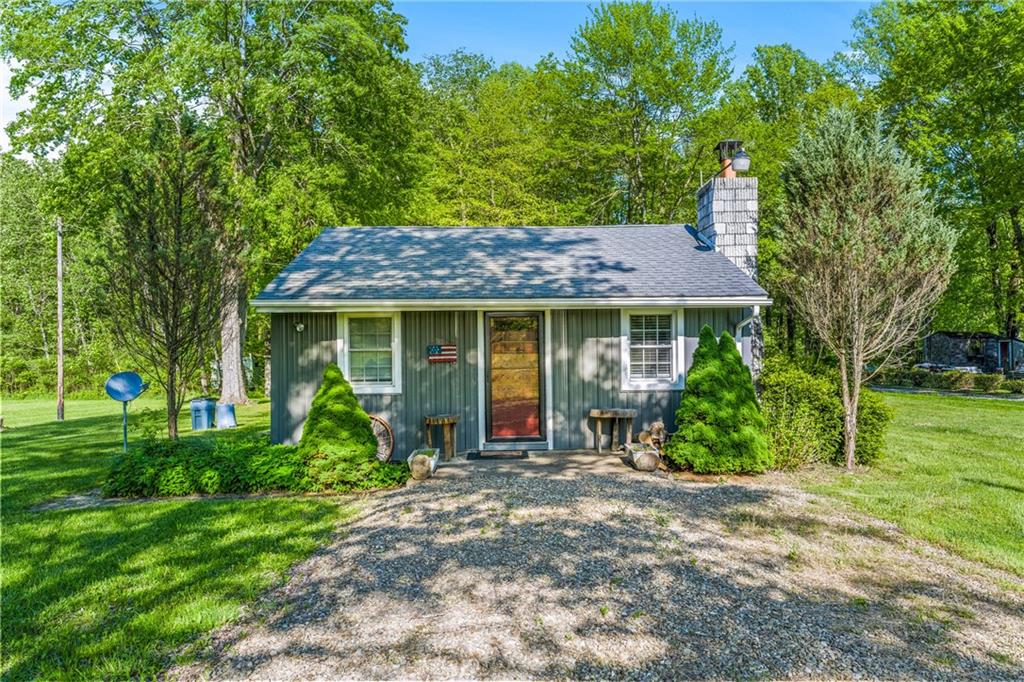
{"x":719,"y":422}
{"x":206,"y":464}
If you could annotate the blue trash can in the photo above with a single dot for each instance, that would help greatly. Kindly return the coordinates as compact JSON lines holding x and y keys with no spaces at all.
{"x":202,"y":413}
{"x":226,"y":416}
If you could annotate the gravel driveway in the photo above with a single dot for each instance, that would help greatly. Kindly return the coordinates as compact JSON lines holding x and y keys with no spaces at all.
{"x":515,"y":571}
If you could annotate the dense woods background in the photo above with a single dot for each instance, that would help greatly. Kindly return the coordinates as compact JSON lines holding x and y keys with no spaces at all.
{"x":318,"y":119}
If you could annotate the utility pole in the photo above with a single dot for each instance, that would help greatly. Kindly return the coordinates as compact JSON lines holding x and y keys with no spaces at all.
{"x":60,"y":319}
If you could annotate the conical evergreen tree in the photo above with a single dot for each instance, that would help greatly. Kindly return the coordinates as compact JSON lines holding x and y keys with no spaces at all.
{"x":338,"y":441}
{"x":719,"y":424}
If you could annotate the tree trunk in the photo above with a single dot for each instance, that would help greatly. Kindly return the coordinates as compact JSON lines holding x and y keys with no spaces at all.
{"x":172,"y":402}
{"x":60,"y":319}
{"x":232,"y":337}
{"x":850,"y":378}
{"x":992,"y":233}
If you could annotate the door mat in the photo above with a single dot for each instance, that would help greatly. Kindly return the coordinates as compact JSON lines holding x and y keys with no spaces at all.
{"x":497,"y":454}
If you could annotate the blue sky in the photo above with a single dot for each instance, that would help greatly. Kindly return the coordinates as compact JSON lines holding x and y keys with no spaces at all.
{"x":525,"y":31}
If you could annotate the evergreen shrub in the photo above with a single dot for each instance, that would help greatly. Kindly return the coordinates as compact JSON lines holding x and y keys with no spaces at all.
{"x":338,"y":444}
{"x":719,"y":424}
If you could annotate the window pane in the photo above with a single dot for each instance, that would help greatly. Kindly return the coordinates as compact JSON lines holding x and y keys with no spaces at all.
{"x":370,"y":354}
{"x":369,"y":333}
{"x":370,"y":366}
{"x":650,"y":351}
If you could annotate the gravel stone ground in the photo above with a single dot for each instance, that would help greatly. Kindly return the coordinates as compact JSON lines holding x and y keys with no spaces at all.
{"x":516,"y":573}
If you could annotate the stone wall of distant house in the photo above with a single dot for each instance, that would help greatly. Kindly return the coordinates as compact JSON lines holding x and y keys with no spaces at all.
{"x":961,"y":351}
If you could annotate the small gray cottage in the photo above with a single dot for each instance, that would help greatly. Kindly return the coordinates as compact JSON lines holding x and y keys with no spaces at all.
{"x":988,"y":352}
{"x":519,"y":331}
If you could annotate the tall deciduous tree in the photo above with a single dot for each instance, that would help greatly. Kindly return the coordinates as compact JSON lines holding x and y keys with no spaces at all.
{"x":636,"y":84}
{"x":163,"y":265}
{"x":866,"y":256}
{"x":488,"y":145}
{"x":312,"y":99}
{"x":949,"y":78}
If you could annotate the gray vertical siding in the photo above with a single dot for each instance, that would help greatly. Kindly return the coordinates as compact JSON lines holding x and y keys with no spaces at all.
{"x":720,"y":319}
{"x":433,"y":389}
{"x":586,"y":373}
{"x":586,"y":364}
{"x":297,"y":363}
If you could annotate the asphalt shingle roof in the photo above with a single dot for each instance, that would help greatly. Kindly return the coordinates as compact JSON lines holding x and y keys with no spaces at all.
{"x":437,"y":263}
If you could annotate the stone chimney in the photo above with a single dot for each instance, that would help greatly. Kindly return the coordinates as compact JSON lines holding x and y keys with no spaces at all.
{"x":727,"y":219}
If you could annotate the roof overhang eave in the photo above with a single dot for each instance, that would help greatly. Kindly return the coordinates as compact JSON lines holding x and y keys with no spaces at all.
{"x":338,"y":305}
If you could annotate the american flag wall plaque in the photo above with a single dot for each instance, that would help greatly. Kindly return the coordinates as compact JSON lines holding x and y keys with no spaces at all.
{"x":442,"y":352}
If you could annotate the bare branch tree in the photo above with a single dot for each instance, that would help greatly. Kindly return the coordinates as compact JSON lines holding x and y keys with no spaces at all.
{"x":163,"y":264}
{"x":865,"y":256}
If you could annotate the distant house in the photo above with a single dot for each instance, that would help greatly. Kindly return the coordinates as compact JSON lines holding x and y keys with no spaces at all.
{"x":987,"y":352}
{"x":519,"y":331}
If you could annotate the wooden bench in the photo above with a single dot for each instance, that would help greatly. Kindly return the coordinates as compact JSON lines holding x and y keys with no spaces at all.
{"x":447,"y":423}
{"x":600,"y":414}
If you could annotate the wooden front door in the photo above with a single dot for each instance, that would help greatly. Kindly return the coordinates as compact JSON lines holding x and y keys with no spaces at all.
{"x":515,"y":401}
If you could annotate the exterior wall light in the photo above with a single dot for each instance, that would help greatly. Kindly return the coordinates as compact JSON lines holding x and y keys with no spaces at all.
{"x":299,"y":327}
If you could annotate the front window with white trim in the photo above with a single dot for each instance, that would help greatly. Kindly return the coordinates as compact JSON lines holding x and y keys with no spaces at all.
{"x":652,"y":347}
{"x":371,"y":352}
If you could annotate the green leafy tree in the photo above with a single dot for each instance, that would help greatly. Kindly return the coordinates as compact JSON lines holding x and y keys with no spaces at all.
{"x":163,"y":269}
{"x":488,"y":145}
{"x":338,"y":441}
{"x":314,"y":105}
{"x":32,"y":195}
{"x":865,"y":255}
{"x":719,"y":424}
{"x":948,"y":78}
{"x":630,"y":98}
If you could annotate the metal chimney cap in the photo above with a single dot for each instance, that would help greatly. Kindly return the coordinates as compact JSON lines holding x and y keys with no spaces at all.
{"x":726,"y":148}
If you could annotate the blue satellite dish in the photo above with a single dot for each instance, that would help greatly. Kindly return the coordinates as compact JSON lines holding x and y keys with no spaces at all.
{"x":125,"y":386}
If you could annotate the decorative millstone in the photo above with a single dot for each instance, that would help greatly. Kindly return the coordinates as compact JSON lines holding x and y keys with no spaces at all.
{"x":643,"y":457}
{"x":423,"y":463}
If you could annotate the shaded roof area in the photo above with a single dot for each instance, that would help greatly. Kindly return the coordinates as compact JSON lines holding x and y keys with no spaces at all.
{"x":437,"y":263}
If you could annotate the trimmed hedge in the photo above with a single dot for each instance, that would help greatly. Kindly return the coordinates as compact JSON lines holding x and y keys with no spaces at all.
{"x":953,"y":380}
{"x":986,"y":383}
{"x":804,"y":415}
{"x":1014,"y":385}
{"x":720,"y":426}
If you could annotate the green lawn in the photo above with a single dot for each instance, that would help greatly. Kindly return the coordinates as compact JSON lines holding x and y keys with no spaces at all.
{"x":113,"y":592}
{"x":953,"y":474}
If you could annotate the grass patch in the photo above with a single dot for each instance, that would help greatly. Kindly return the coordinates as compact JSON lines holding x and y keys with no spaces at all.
{"x":113,"y":592}
{"x":951,"y":475}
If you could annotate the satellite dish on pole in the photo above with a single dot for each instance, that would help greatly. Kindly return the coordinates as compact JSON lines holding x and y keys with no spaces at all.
{"x":125,"y":387}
